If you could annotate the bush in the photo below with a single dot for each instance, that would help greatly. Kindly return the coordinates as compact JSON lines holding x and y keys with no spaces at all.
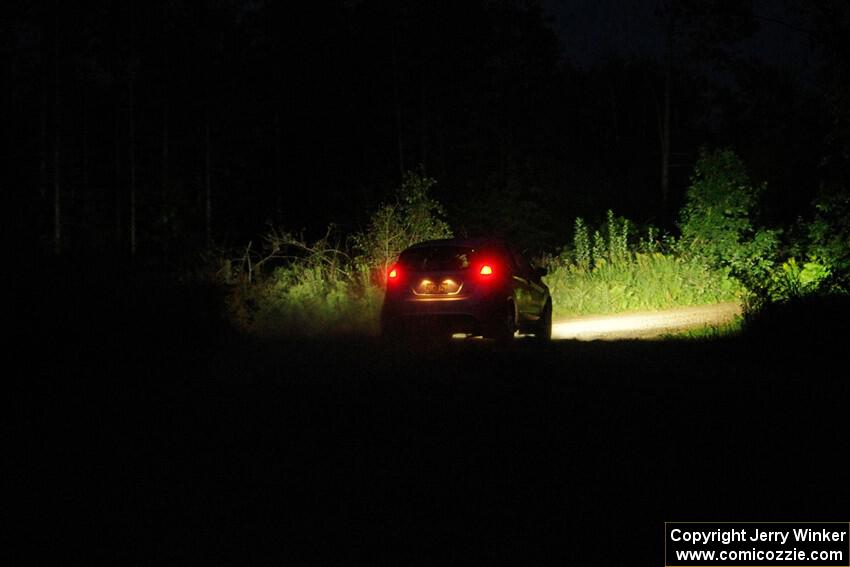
{"x":291,"y":286}
{"x":611,"y":274}
{"x":648,"y":281}
{"x":717,"y":222}
{"x":829,"y":239}
{"x":300,"y":301}
{"x":793,"y":280}
{"x":412,"y":218}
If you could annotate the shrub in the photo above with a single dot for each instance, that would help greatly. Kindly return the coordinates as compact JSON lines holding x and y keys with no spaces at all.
{"x":829,"y":239}
{"x":794,"y":281}
{"x":611,"y":275}
{"x":291,"y":286}
{"x":648,"y":281}
{"x":717,"y":221}
{"x":412,"y":218}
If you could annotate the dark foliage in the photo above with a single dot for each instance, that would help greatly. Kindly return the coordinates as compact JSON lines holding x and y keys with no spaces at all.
{"x":174,"y":123}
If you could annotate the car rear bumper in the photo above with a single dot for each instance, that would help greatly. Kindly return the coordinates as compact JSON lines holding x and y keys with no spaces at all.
{"x":461,"y":314}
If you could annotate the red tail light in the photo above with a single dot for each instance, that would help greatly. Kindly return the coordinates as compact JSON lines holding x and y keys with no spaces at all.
{"x":486,"y":270}
{"x":393,"y":274}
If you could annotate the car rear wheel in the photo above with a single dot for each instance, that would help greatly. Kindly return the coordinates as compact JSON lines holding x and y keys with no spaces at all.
{"x":504,"y":326}
{"x":543,"y":328}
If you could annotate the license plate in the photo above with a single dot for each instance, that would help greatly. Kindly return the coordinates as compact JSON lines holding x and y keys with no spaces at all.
{"x":435,"y":288}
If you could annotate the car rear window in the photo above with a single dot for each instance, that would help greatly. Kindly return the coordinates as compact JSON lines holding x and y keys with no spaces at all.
{"x":436,"y":258}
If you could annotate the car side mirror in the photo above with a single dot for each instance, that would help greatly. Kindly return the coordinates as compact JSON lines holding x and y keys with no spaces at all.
{"x":540,"y":272}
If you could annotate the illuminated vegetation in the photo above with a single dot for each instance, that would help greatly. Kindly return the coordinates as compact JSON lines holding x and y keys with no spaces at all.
{"x":335,"y":284}
{"x":723,"y":253}
{"x":622,"y":277}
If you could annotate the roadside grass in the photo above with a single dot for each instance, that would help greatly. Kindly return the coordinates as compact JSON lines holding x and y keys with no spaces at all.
{"x":310,"y":300}
{"x":305,"y":301}
{"x":299,"y":300}
{"x":639,"y":281}
{"x":324,"y":287}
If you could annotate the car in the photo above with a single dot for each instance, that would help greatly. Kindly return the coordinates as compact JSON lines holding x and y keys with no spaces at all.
{"x":478,"y":287}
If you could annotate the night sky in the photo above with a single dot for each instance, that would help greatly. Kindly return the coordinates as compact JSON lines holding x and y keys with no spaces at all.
{"x":591,"y":30}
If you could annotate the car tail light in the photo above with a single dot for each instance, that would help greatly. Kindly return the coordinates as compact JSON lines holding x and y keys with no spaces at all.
{"x":393,"y":274}
{"x":486,"y":270}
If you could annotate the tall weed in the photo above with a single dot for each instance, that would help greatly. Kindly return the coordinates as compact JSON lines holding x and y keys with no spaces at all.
{"x":290,"y":286}
{"x":647,"y":281}
{"x":613,"y":274}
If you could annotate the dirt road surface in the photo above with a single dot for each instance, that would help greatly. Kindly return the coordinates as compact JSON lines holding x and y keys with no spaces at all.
{"x":644,"y":325}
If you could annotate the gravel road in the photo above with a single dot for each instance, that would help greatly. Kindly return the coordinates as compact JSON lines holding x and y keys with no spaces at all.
{"x":643,"y":325}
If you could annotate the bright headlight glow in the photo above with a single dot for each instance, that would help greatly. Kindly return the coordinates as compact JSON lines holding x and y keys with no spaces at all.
{"x":644,"y":325}
{"x":589,"y":329}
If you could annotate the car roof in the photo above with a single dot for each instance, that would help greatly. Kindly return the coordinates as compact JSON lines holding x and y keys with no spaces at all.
{"x":480,"y":242}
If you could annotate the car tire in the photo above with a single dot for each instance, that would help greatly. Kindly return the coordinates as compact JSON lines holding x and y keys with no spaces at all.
{"x":543,"y":327}
{"x":505,"y":326}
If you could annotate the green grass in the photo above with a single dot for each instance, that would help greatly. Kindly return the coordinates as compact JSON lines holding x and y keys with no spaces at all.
{"x":312,"y":300}
{"x":305,"y":302}
{"x":642,"y":281}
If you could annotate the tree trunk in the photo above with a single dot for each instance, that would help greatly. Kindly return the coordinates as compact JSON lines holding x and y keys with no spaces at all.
{"x":163,"y":197}
{"x":57,"y":189}
{"x":10,"y":131}
{"x":397,"y":102}
{"x":278,"y":168}
{"x":423,"y":121}
{"x":10,"y":135}
{"x":119,"y":210}
{"x":117,"y":118}
{"x":165,"y":218}
{"x":131,"y":131}
{"x":207,"y":177}
{"x":665,"y":136}
{"x":84,"y":150}
{"x":164,"y":181}
{"x":42,"y":166}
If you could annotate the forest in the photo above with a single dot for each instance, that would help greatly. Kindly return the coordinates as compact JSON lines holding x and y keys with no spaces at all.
{"x":175,"y":138}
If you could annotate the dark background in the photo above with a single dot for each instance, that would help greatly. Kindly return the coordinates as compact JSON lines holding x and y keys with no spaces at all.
{"x":145,"y":431}
{"x":307,"y":113}
{"x":153,"y":435}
